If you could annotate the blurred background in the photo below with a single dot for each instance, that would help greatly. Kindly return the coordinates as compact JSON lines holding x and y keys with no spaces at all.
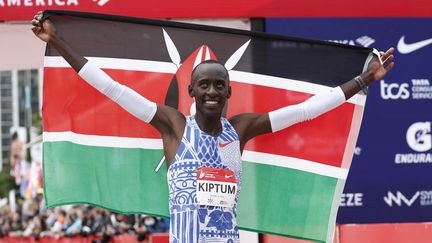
{"x":388,"y":193}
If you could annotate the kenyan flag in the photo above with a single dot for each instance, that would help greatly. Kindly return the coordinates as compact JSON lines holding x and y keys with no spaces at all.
{"x":95,"y":152}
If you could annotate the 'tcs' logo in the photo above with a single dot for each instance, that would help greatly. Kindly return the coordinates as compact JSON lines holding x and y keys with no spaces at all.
{"x":394,"y":91}
{"x":419,"y":136}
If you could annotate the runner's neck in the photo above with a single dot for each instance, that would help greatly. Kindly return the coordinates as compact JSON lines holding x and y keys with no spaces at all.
{"x":210,"y":125}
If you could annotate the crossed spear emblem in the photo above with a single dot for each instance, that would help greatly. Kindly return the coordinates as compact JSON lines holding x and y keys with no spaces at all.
{"x":202,"y":55}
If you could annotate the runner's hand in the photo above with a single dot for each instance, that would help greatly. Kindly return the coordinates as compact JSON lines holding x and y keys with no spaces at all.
{"x":44,"y":30}
{"x":379,"y":70}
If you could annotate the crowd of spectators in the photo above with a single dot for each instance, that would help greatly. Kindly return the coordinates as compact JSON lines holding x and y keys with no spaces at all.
{"x":30,"y":218}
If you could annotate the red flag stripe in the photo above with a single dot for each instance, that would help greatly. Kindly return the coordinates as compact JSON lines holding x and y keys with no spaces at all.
{"x":92,"y":113}
{"x":70,"y":104}
{"x":322,"y":139}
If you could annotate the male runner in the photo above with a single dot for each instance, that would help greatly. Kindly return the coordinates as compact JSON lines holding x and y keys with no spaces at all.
{"x":203,"y":151}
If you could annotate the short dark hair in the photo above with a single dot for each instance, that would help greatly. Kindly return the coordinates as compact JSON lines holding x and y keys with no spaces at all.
{"x":210,"y":61}
{"x":14,"y":136}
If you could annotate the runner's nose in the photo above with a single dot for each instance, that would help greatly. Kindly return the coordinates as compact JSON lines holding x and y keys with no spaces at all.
{"x":212,"y":90}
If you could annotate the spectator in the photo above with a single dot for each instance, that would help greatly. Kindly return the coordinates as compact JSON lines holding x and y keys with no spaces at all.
{"x":76,"y":226}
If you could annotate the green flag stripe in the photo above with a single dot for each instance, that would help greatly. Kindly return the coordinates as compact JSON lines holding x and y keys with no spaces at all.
{"x":80,"y":174}
{"x":251,"y":156}
{"x":130,"y":185}
{"x":263,"y":199}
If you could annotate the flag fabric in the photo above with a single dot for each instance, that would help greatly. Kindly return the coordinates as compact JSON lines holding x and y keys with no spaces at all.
{"x":95,"y":152}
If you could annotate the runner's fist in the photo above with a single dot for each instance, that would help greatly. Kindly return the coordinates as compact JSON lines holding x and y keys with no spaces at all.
{"x":44,"y":30}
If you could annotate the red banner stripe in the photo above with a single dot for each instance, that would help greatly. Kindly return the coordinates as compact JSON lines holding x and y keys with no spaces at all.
{"x":24,"y":10}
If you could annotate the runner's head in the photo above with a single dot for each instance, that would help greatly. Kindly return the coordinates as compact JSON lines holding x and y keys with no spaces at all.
{"x":198,"y":67}
{"x":210,"y":87}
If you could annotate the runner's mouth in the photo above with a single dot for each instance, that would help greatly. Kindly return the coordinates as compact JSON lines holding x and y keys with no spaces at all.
{"x":211,"y":102}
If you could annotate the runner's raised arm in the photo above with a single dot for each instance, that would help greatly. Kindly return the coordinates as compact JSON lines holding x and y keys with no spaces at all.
{"x":46,"y":31}
{"x":168,"y":121}
{"x":251,"y":125}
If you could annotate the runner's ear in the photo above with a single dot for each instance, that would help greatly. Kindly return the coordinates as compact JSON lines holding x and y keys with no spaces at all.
{"x":229,"y":92}
{"x":190,"y":90}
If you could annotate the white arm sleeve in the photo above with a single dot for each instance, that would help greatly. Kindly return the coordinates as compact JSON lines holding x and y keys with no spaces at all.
{"x":124,"y":96}
{"x":308,"y":110}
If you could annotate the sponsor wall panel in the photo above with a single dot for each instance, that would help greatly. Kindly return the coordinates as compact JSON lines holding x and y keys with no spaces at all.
{"x":390,"y":178}
{"x":378,"y":233}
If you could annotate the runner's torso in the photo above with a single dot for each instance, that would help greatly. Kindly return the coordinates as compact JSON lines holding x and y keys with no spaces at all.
{"x":218,"y":156}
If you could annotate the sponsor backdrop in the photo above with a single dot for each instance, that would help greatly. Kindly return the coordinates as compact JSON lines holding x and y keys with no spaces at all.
{"x":390,"y":179}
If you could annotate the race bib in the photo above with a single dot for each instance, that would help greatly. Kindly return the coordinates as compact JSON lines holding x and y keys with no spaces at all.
{"x":216,"y":187}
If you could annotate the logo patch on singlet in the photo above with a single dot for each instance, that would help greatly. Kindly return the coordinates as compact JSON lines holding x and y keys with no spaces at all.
{"x":223,"y":145}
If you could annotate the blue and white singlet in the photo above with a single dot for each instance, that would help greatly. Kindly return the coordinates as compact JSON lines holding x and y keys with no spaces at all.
{"x":189,"y":222}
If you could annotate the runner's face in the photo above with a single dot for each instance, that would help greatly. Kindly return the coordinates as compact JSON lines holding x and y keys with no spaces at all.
{"x":210,"y":88}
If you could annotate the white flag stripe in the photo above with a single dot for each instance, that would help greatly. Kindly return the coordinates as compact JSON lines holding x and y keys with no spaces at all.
{"x":287,"y":84}
{"x":103,"y":141}
{"x":235,"y":76}
{"x":145,"y":143}
{"x":295,"y":163}
{"x":118,"y":63}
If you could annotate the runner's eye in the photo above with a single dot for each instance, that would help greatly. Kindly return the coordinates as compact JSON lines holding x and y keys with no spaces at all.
{"x":220,"y":85}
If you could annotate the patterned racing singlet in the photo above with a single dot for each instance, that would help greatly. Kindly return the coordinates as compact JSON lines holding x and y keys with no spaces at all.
{"x":190,"y":222}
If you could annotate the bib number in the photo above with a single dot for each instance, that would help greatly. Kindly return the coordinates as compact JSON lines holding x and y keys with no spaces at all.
{"x":216,"y":187}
